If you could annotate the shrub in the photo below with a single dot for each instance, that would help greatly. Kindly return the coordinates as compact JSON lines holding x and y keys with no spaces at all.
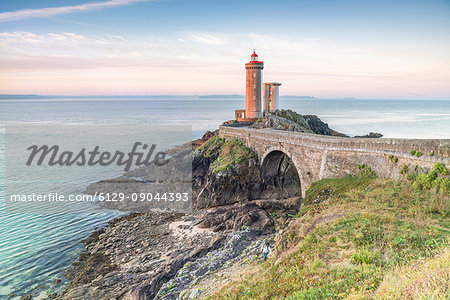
{"x":431,"y":153}
{"x":442,"y":184}
{"x":393,"y":158}
{"x":366,"y":171}
{"x":440,"y":169}
{"x":411,"y":176}
{"x":424,"y":181}
{"x":404,"y":169}
{"x":418,"y":154}
{"x":435,"y":178}
{"x":413,"y":152}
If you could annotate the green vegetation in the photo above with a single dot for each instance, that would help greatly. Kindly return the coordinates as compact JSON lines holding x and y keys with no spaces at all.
{"x":440,"y":169}
{"x":424,"y":280}
{"x":211,"y":147}
{"x":170,"y":287}
{"x":322,"y":189}
{"x":404,"y":169}
{"x":436,"y":178}
{"x":365,"y":256}
{"x":225,"y":153}
{"x":393,"y":158}
{"x":363,"y":234}
{"x":365,"y":171}
{"x":416,"y":153}
{"x":431,"y":153}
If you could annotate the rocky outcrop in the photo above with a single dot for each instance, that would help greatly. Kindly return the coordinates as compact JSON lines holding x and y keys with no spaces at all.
{"x":370,"y":135}
{"x":291,"y":121}
{"x":319,"y":127}
{"x":228,"y":172}
{"x":244,"y":242}
{"x":221,"y":178}
{"x":234,"y":217}
{"x":283,"y":120}
{"x":135,"y":255}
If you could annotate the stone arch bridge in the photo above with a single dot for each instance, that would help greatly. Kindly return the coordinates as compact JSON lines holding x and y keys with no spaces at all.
{"x":318,"y":156}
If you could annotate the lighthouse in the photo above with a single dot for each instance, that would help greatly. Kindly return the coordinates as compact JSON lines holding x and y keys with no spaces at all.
{"x":253,"y":93}
{"x":253,"y":87}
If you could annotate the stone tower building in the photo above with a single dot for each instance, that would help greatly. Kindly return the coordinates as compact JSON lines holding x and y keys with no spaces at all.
{"x":253,"y":87}
{"x":253,"y":100}
{"x":271,"y":98}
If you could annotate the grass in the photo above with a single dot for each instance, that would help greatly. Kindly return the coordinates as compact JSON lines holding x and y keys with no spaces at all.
{"x":428,"y":279}
{"x":233,"y":152}
{"x":365,"y":256}
{"x":351,"y":236}
{"x":225,"y":153}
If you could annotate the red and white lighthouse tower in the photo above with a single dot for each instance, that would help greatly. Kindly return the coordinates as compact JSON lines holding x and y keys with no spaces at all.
{"x":253,"y":99}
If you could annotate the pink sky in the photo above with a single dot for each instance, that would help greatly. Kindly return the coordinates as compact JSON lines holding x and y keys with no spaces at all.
{"x":213,"y":63}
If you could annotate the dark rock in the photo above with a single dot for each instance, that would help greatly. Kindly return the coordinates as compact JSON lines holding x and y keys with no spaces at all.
{"x":374,"y":135}
{"x":289,"y":120}
{"x":319,"y":127}
{"x":233,"y":217}
{"x":235,"y":245}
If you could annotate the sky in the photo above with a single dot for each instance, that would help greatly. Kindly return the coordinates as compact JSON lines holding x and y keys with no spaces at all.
{"x":324,"y":48}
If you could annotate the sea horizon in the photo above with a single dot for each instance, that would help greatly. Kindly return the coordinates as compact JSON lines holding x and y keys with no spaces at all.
{"x":202,"y":96}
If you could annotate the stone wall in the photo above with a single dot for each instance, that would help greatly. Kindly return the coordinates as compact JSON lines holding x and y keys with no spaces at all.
{"x":317,"y":156}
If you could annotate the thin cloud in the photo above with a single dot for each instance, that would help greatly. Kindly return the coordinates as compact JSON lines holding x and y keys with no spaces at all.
{"x":205,"y":38}
{"x":53,"y":11}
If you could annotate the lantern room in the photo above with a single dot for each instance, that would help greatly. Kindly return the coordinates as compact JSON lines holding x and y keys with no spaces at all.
{"x":254,"y":56}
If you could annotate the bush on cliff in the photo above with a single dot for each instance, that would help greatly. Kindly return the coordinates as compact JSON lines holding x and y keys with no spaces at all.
{"x":353,"y":242}
{"x":436,"y":178}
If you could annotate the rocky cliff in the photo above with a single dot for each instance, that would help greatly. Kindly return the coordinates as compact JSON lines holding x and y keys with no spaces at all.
{"x":291,"y":121}
{"x":227,"y":172}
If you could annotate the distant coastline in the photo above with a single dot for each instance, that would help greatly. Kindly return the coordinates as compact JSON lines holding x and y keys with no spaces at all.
{"x":209,"y":97}
{"x":35,"y":96}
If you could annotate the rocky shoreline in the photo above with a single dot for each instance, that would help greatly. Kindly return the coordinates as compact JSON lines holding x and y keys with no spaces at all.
{"x":143,"y":256}
{"x":165,"y":255}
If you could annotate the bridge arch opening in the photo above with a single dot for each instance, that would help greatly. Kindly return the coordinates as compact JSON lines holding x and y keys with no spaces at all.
{"x":280,"y":176}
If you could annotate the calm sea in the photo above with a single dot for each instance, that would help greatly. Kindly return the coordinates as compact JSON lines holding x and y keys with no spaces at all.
{"x":36,"y":248}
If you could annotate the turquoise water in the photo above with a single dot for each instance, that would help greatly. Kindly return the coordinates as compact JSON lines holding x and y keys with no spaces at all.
{"x":36,"y":248}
